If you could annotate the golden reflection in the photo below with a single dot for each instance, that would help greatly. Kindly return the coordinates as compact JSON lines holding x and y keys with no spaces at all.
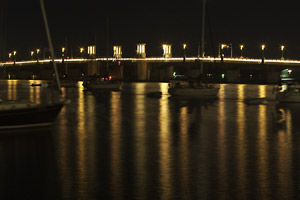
{"x":14,"y":83}
{"x":140,"y":140}
{"x":81,"y":147}
{"x":241,"y":144}
{"x":116,"y":145}
{"x":165,"y":141}
{"x":284,"y":149}
{"x":38,"y":95}
{"x":164,"y":89}
{"x":31,"y":92}
{"x":184,"y":153}
{"x":34,"y":92}
{"x":9,"y":90}
{"x":63,"y":92}
{"x":63,"y":154}
{"x":263,"y":150}
{"x":12,"y":89}
{"x":222,"y":92}
{"x":262,"y":92}
{"x":221,"y":142}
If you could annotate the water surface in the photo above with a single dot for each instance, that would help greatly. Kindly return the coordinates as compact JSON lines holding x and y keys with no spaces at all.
{"x":125,"y":145}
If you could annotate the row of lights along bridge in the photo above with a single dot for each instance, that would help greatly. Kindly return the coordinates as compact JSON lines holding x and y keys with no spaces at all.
{"x":117,"y":51}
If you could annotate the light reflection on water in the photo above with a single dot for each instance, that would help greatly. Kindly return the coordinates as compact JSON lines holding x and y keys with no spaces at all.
{"x":125,"y":145}
{"x":241,"y":149}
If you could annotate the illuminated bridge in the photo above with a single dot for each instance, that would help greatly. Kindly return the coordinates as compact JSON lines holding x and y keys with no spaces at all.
{"x":160,"y":59}
{"x":234,"y":70}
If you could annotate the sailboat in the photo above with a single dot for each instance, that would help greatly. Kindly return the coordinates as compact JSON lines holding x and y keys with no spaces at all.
{"x":184,"y":86}
{"x":25,"y":114}
{"x":105,"y":82}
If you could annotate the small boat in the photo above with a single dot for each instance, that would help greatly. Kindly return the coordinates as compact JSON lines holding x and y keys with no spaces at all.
{"x":26,"y":114}
{"x":289,"y":93}
{"x":154,"y":94}
{"x":36,"y":84}
{"x":183,"y":86}
{"x":103,"y":83}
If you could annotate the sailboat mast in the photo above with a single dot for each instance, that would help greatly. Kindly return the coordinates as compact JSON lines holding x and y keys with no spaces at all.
{"x":50,"y":43}
{"x":202,"y":35}
{"x":107,"y":43}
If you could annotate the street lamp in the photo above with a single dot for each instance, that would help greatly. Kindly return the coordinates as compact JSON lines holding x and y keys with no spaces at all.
{"x":222,"y":47}
{"x":81,"y":51}
{"x":184,"y":48}
{"x":37,"y":54}
{"x":241,"y":48}
{"x":282,"y":49}
{"x":15,"y":53}
{"x":31,"y":54}
{"x":263,"y":52}
{"x":9,"y":56}
{"x":63,"y":49}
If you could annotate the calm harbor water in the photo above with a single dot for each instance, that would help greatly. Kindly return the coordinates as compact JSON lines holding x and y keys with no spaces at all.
{"x":125,"y":145}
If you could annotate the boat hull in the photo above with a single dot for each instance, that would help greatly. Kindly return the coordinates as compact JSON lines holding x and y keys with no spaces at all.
{"x":103,"y":85}
{"x":38,"y":116}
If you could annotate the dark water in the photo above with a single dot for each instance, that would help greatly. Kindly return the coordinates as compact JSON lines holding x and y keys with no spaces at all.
{"x":125,"y":145}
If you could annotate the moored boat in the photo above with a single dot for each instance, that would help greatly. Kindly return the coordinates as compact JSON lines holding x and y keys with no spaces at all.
{"x":25,"y":114}
{"x":102,"y":83}
{"x":182,"y":86}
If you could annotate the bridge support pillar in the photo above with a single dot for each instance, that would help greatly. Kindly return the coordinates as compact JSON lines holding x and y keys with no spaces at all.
{"x":92,"y":68}
{"x":143,"y":72}
{"x":166,"y":74}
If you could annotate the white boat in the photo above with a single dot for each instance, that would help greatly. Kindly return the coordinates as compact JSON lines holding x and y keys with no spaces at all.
{"x":185,"y":87}
{"x":289,"y":93}
{"x":192,"y":88}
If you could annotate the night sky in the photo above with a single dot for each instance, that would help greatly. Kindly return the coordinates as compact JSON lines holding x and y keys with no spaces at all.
{"x":80,"y":23}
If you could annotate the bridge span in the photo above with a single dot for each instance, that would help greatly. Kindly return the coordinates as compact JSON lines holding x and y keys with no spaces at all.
{"x":285,"y":62}
{"x":216,"y":69}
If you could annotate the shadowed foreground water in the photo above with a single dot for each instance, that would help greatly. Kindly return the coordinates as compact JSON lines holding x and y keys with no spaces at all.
{"x":125,"y":145}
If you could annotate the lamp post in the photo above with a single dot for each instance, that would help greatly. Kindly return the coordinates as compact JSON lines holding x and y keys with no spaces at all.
{"x":81,"y":51}
{"x":184,"y":48}
{"x":263,"y":52}
{"x":31,"y":54}
{"x":63,"y":49}
{"x":9,"y":56}
{"x":282,"y":49}
{"x":15,"y":53}
{"x":241,"y":48}
{"x":222,"y":54}
{"x":37,"y":54}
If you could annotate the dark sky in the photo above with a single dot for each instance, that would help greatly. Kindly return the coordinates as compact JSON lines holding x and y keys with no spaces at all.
{"x":82,"y":22}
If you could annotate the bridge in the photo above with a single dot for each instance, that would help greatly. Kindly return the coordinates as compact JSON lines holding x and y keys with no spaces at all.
{"x":216,"y":69}
{"x":240,"y":60}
